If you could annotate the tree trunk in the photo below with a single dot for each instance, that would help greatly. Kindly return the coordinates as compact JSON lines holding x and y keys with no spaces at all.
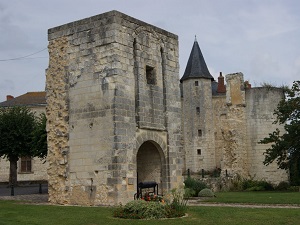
{"x":13,"y":161}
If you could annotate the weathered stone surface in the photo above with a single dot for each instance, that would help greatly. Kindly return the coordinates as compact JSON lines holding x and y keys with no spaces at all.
{"x":115,"y":117}
{"x":237,"y":120}
{"x":98,"y":78}
{"x":57,"y":111}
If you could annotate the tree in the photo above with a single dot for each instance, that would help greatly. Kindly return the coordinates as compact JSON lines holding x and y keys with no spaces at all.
{"x":285,"y":148}
{"x":18,"y":130}
{"x":39,"y":139}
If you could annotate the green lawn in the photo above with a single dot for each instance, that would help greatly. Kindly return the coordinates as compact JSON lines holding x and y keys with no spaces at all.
{"x":12,"y":213}
{"x":258,"y":197}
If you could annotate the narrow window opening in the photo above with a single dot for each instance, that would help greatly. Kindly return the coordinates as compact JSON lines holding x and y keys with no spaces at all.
{"x":150,"y":75}
{"x":198,"y":151}
{"x":25,"y":164}
{"x":200,"y":133}
{"x":196,"y":83}
{"x":198,"y":110}
{"x":134,"y":49}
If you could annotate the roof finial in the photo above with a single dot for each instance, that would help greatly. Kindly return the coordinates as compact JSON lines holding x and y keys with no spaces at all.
{"x":195,"y":38}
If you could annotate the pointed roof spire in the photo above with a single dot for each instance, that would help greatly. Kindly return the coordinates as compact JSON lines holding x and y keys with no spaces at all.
{"x":196,"y":66}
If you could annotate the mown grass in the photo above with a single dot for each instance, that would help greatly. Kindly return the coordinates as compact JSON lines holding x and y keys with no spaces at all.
{"x":258,"y":197}
{"x":13,"y":213}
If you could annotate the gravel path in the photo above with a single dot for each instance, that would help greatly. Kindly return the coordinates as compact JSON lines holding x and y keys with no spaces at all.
{"x":291,"y":206}
{"x":33,"y":198}
{"x":43,"y":199}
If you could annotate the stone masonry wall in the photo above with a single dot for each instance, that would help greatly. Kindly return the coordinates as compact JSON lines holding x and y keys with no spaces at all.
{"x":234,"y":132}
{"x":109,"y":100}
{"x":220,"y":110}
{"x":57,"y":112}
{"x":261,"y":103}
{"x":198,"y":125}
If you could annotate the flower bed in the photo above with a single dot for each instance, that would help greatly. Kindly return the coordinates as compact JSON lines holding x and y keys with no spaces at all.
{"x":154,"y":207}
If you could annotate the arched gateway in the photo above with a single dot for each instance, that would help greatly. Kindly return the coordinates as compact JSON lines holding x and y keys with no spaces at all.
{"x":151,"y":165}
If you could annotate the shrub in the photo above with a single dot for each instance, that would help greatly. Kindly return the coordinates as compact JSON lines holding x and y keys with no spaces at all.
{"x":140,"y":209}
{"x":237,"y":183}
{"x":206,"y":193}
{"x":294,"y":188}
{"x":178,"y":206}
{"x":255,"y":185}
{"x":189,"y":192}
{"x":282,"y":186}
{"x":256,"y":188}
{"x":195,"y":185}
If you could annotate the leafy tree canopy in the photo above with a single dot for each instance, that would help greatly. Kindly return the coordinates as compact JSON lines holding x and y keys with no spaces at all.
{"x":39,"y":139}
{"x":16,"y":131}
{"x":21,"y":134}
{"x":285,"y":148}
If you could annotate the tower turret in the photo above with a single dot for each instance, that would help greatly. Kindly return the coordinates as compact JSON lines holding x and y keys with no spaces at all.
{"x":197,"y":109}
{"x":196,"y":66}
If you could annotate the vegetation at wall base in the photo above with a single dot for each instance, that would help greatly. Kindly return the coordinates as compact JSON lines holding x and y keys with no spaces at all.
{"x":156,"y":208}
{"x":194,"y":186}
{"x":206,"y":192}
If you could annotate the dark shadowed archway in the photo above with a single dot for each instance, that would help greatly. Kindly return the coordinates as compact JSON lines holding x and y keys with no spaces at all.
{"x":151,"y":164}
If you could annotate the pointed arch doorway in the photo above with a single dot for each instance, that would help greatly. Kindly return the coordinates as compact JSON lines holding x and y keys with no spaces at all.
{"x":151,"y":165}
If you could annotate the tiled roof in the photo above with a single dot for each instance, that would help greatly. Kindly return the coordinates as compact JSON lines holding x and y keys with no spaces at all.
{"x":28,"y":99}
{"x":196,"y":66}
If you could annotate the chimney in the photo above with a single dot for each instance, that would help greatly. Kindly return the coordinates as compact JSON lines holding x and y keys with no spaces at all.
{"x":247,"y":84}
{"x":221,"y":86}
{"x":9,"y":97}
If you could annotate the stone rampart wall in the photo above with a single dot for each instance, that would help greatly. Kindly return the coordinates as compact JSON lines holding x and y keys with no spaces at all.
{"x":261,"y":103}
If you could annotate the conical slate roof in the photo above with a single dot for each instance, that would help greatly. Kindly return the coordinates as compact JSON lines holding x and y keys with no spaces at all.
{"x":196,"y":66}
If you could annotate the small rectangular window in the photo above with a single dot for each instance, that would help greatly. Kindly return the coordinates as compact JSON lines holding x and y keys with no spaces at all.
{"x":25,"y":164}
{"x":150,"y":75}
{"x":196,"y":83}
{"x":198,"y":151}
{"x":200,"y":133}
{"x":198,"y":110}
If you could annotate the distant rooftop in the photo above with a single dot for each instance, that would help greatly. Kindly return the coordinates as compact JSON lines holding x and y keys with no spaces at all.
{"x":28,"y":99}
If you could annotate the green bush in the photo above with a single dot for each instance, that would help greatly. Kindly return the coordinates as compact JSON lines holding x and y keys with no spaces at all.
{"x":140,"y":209}
{"x":255,"y":185}
{"x":294,"y":188}
{"x":178,"y":206}
{"x":256,"y":188}
{"x":206,"y":193}
{"x":195,"y":185}
{"x":282,"y":186}
{"x":147,"y":209}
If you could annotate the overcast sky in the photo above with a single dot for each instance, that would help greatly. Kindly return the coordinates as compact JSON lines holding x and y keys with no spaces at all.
{"x":260,"y":38}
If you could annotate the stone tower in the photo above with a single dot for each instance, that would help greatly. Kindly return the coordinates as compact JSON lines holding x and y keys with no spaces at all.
{"x":113,"y":109}
{"x":197,"y":108}
{"x":223,"y":123}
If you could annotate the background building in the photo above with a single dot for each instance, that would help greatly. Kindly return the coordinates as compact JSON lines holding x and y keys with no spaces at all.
{"x":29,"y":169}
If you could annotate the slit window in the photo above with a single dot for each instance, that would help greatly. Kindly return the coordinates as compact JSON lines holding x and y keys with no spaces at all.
{"x":198,"y":110}
{"x":199,"y":133}
{"x":150,"y":75}
{"x":198,"y":151}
